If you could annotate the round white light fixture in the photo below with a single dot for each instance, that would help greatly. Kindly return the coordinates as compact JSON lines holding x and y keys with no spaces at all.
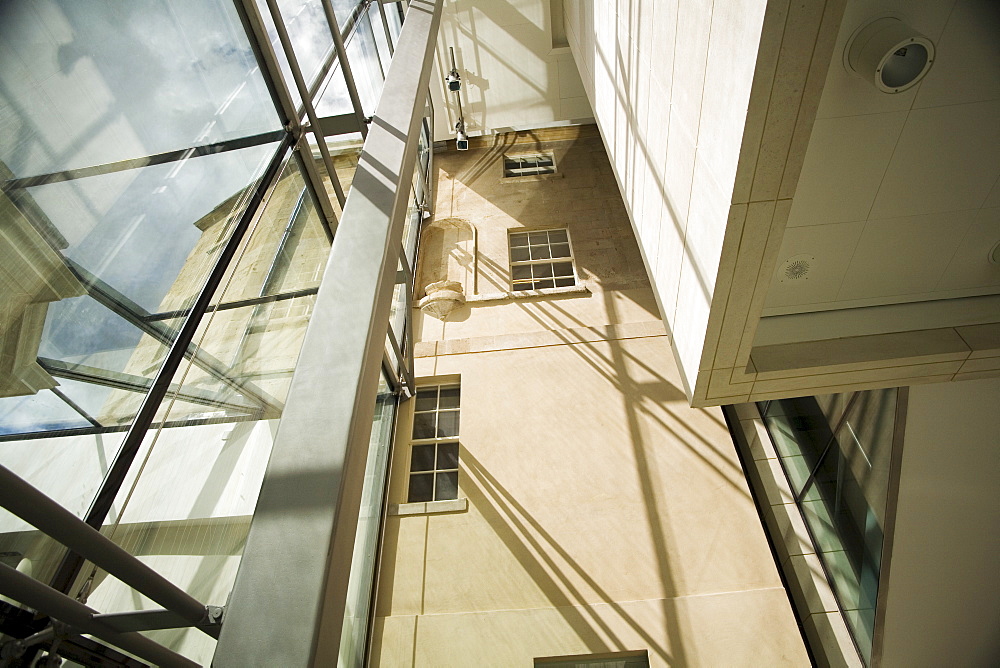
{"x":889,"y":54}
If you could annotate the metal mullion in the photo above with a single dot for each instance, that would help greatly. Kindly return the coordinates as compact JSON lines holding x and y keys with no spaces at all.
{"x":135,"y":315}
{"x":144,"y":161}
{"x":314,"y":127}
{"x":407,"y":333}
{"x":128,"y":382}
{"x":256,"y":33}
{"x":239,"y":303}
{"x":833,"y":439}
{"x":314,"y":177}
{"x":401,"y":366}
{"x":129,"y":448}
{"x":114,"y":429}
{"x":345,"y":65}
{"x":313,"y":184}
{"x":72,"y":404}
{"x":385,"y":26}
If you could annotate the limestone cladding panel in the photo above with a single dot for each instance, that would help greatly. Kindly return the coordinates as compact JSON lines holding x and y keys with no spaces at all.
{"x":604,"y":514}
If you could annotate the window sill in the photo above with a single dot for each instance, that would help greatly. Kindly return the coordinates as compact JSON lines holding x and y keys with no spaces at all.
{"x":429,"y":507}
{"x":531,"y":177}
{"x":525,"y":294}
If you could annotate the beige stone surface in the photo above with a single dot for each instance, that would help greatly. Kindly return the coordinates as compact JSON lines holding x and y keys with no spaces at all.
{"x":604,"y":513}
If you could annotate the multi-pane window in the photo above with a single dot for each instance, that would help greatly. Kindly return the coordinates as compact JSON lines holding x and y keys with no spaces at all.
{"x":434,"y":454}
{"x":528,"y":165}
{"x":541,"y":260}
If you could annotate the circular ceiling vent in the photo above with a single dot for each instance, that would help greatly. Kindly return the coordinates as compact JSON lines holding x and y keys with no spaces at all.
{"x":889,"y":54}
{"x":796,"y":268}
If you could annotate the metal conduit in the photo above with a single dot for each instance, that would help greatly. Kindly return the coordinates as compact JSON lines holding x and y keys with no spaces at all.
{"x":40,"y":511}
{"x":48,"y":601}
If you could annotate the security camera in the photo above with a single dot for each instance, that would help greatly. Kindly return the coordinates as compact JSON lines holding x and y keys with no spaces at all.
{"x":453,"y":80}
{"x":461,"y":139}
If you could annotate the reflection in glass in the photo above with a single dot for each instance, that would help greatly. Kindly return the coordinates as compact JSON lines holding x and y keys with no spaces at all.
{"x":352,"y":645}
{"x":212,"y":433}
{"x":98,"y":82}
{"x":838,"y":470}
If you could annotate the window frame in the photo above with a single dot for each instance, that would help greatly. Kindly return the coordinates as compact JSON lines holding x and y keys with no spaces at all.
{"x":436,"y":442}
{"x":546,"y":155}
{"x":511,"y":262}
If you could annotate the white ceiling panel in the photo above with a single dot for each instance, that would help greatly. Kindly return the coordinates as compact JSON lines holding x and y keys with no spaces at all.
{"x":967,"y":66}
{"x":900,"y":256}
{"x":947,"y":159}
{"x":843,"y":168}
{"x":830,"y":246}
{"x":970,"y":267}
{"x":993,"y":199}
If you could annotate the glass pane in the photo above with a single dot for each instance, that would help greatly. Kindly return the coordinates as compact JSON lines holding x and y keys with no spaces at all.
{"x":134,"y":231}
{"x":539,"y":252}
{"x":37,"y":412}
{"x":560,"y":250}
{"x":519,"y":239}
{"x":557,"y":236}
{"x":562,"y":269}
{"x":521,"y":272}
{"x":99,"y":82}
{"x":426,"y":399}
{"x":343,"y":10}
{"x":186,"y":505}
{"x":447,"y":424}
{"x":352,"y":644}
{"x":422,"y":458}
{"x":545,"y":283}
{"x":421,"y":488}
{"x":522,"y":286}
{"x":380,"y":37}
{"x":446,"y":486}
{"x":423,"y":425}
{"x":450,"y":397}
{"x":447,"y":456}
{"x":365,"y":66}
{"x":564,"y":282}
{"x":308,"y":32}
{"x":844,"y":503}
{"x":541,"y":270}
{"x":538,"y":238}
{"x":92,"y":399}
{"x":519,"y":255}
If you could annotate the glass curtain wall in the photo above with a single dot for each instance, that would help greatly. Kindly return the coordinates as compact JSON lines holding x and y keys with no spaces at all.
{"x":161,"y":252}
{"x":835,"y":450}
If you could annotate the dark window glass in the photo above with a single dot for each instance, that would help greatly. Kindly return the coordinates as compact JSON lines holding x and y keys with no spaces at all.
{"x":447,"y":456}
{"x":447,"y":424}
{"x":423,"y":425}
{"x":446,"y":486}
{"x":426,"y":399}
{"x":421,"y":488}
{"x":449,"y":397}
{"x":423,"y":458}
